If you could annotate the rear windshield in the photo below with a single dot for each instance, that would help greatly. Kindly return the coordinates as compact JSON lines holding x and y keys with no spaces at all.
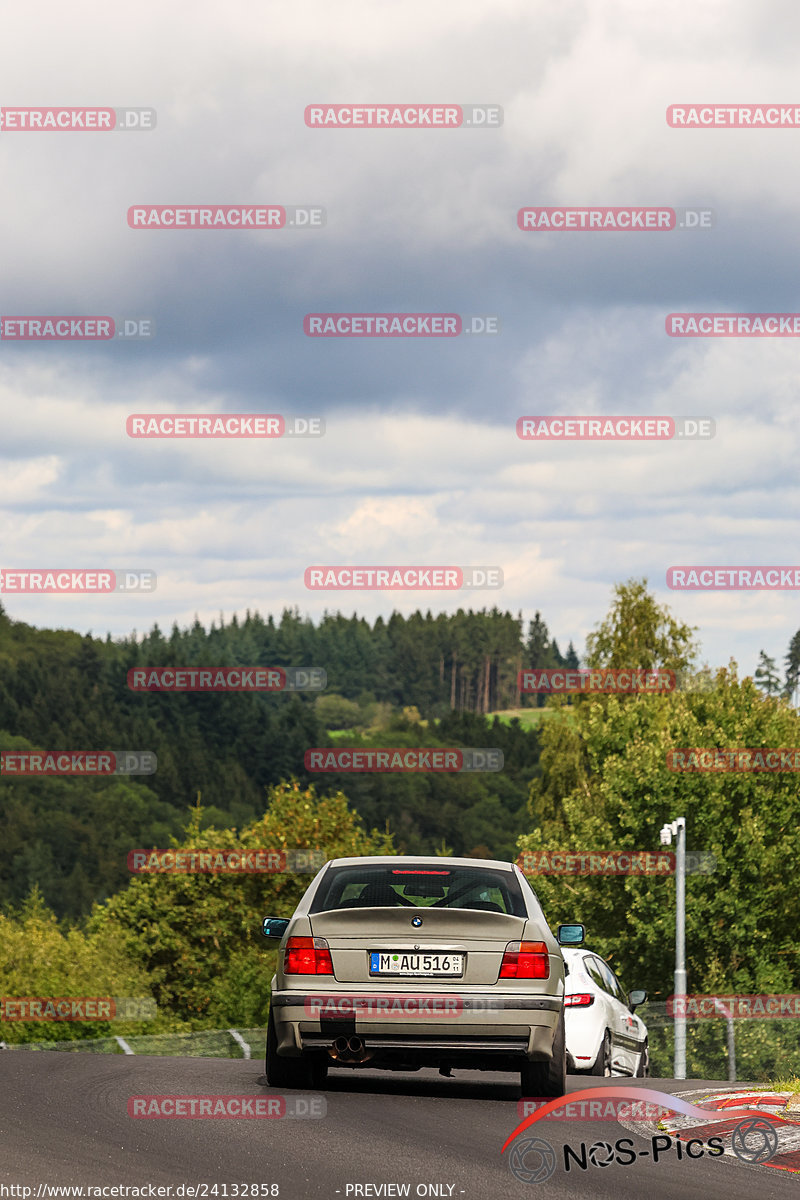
{"x":478,"y":888}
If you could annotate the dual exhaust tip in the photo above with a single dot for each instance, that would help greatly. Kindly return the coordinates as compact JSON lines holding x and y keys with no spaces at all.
{"x":349,"y":1049}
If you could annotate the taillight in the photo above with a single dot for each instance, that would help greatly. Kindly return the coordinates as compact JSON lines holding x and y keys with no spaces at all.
{"x":525,"y":960}
{"x":579,"y":1000}
{"x":307,"y":956}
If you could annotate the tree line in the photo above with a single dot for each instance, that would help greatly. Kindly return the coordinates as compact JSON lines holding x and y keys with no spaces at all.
{"x":417,"y":680}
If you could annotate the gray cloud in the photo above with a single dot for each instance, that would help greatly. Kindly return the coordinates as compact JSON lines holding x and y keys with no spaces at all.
{"x":420,"y":462}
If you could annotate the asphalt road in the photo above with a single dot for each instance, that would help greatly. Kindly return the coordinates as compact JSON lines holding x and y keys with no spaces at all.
{"x":64,"y":1121}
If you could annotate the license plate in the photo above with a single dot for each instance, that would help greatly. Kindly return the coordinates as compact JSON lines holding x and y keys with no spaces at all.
{"x":402,"y":962}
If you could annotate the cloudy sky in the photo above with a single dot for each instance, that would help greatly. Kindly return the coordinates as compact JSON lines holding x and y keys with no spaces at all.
{"x":420,"y":462}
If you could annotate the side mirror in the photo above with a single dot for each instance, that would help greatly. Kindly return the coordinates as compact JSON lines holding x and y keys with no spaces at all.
{"x":636,"y":998}
{"x":570,"y":935}
{"x":274,"y":927}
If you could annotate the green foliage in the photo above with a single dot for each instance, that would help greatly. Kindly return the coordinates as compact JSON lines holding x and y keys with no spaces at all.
{"x":766,"y":674}
{"x":70,"y":837}
{"x":542,"y":653}
{"x":531,"y":718}
{"x":336,"y":712}
{"x":761,"y":1046}
{"x":479,"y":815}
{"x":637,"y":632}
{"x":786,"y":1083}
{"x":39,"y":958}
{"x":61,"y":691}
{"x":792,"y":662}
{"x":605,"y":785}
{"x":198,"y":936}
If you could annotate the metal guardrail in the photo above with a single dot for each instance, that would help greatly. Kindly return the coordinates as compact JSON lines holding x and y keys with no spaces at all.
{"x":200,"y":1043}
{"x":724,"y":1059}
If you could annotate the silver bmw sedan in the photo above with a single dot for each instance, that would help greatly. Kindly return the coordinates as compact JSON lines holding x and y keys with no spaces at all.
{"x":399,"y":962}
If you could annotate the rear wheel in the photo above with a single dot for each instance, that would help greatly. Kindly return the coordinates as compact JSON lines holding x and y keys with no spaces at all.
{"x":548,"y":1078}
{"x":284,"y":1072}
{"x":602,"y":1064}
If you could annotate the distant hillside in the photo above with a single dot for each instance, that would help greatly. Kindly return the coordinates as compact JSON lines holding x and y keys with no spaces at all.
{"x":62,"y":691}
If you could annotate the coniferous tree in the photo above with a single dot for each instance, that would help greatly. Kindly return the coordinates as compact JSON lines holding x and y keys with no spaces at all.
{"x":766,"y":674}
{"x":792,"y":661}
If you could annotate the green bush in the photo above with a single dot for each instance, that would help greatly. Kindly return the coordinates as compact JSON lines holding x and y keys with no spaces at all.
{"x":198,"y":937}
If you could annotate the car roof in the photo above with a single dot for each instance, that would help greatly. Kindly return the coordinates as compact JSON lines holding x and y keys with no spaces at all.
{"x":420,"y":860}
{"x":577,"y":951}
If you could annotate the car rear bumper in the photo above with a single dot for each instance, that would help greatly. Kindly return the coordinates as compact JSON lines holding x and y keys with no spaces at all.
{"x":424,"y":1028}
{"x":584,"y":1036}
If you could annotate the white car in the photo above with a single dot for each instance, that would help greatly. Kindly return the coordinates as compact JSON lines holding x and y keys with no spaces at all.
{"x":604,"y":1035}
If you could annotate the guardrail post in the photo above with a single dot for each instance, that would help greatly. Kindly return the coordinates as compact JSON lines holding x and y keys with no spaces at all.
{"x":237,"y":1037}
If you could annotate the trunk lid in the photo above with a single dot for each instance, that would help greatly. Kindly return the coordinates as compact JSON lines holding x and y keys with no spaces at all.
{"x":354,"y":934}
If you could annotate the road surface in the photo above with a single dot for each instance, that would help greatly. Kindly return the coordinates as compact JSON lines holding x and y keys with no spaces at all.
{"x":64,"y":1121}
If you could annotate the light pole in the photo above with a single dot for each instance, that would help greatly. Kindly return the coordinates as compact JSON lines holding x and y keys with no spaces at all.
{"x":677,"y":829}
